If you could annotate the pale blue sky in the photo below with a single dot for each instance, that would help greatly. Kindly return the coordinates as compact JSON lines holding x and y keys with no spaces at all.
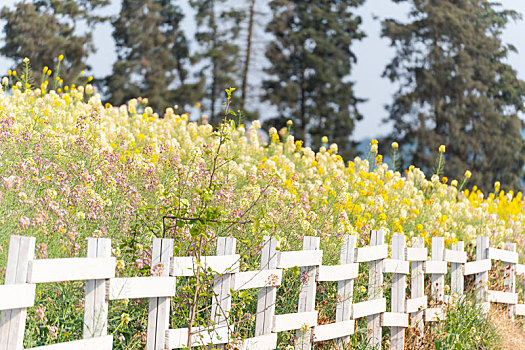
{"x":373,"y":54}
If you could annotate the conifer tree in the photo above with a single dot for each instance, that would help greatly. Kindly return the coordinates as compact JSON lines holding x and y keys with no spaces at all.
{"x":218,"y":25}
{"x":456,"y":89}
{"x":311,"y":60}
{"x":152,"y":55}
{"x":44,"y":29}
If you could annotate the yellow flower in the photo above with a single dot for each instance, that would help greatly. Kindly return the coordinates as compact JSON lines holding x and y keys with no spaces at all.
{"x":289,"y":122}
{"x":468,"y":174}
{"x":395,"y":145}
{"x":60,"y":58}
{"x":442,"y":149}
{"x":454,"y":183}
{"x":497,"y":185}
{"x":419,"y":227}
{"x":324,"y":139}
{"x":198,"y":104}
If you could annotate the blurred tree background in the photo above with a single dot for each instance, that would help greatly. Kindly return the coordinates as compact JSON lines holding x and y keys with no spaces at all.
{"x":455,"y":85}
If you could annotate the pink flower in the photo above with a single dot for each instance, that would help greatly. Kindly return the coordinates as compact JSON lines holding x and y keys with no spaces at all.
{"x":53,"y":332}
{"x":11,"y":182}
{"x":42,"y":251}
{"x":24,"y":222}
{"x":40,"y":312}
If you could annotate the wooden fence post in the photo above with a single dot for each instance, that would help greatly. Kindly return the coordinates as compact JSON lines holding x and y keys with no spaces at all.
{"x":510,"y":278}
{"x":96,"y":304}
{"x":438,"y":280}
{"x":397,"y":334}
{"x":457,"y":280}
{"x":417,"y":290}
{"x":375,"y":291}
{"x":222,"y":302}
{"x":482,"y":278}
{"x":307,"y":294}
{"x":159,"y":307}
{"x":345,"y":289}
{"x":267,"y":295}
{"x":13,"y":321}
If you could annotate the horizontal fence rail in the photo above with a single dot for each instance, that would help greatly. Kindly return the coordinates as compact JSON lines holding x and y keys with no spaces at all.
{"x":23,"y":272}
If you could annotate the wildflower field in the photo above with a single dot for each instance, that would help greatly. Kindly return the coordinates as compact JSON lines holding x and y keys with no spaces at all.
{"x":72,"y":168}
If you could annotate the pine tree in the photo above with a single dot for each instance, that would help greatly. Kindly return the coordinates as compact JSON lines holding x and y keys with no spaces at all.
{"x":152,"y":55}
{"x":311,"y":60}
{"x":247,"y":52}
{"x":456,"y":89}
{"x":44,"y":29}
{"x":218,"y":27}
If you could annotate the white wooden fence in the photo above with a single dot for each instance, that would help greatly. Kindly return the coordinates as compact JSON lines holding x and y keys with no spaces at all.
{"x":98,"y":270}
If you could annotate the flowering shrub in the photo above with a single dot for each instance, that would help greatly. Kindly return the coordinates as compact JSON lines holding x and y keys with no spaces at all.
{"x":72,"y":168}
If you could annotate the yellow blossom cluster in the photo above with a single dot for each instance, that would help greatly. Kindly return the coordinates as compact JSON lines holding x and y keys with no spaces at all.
{"x":347,"y":198}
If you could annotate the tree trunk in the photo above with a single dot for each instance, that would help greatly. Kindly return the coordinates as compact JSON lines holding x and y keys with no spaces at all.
{"x":214,"y":63}
{"x":248,"y":52}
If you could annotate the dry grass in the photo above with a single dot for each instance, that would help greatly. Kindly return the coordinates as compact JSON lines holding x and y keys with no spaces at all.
{"x":511,"y":331}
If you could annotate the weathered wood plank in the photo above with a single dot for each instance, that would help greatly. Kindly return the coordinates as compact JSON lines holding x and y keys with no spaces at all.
{"x":263,"y":342}
{"x":264,"y":318}
{"x":372,"y":253}
{"x":186,"y":266}
{"x":286,"y":260}
{"x":417,"y":291}
{"x":482,"y":277}
{"x":395,"y":320}
{"x":436,"y":267}
{"x":96,"y":303}
{"x":17,"y":296}
{"x":392,"y":319}
{"x":307,"y":293}
{"x":98,"y":343}
{"x":456,"y":271}
{"x":455,"y":256}
{"x":13,"y":322}
{"x":416,"y":304}
{"x":345,"y":289}
{"x":396,"y":266}
{"x":368,"y":307}
{"x":496,"y":296}
{"x":520,"y":309}
{"x":222,"y":302}
{"x":502,"y":255}
{"x":434,"y":314}
{"x":510,"y":277}
{"x":257,"y":279}
{"x":159,"y":307}
{"x":375,"y":284}
{"x":293,"y":321}
{"x":141,"y":287}
{"x":71,"y":269}
{"x":334,"y":330}
{"x":338,"y":272}
{"x":178,"y":338}
{"x":416,"y":254}
{"x":477,"y":267}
